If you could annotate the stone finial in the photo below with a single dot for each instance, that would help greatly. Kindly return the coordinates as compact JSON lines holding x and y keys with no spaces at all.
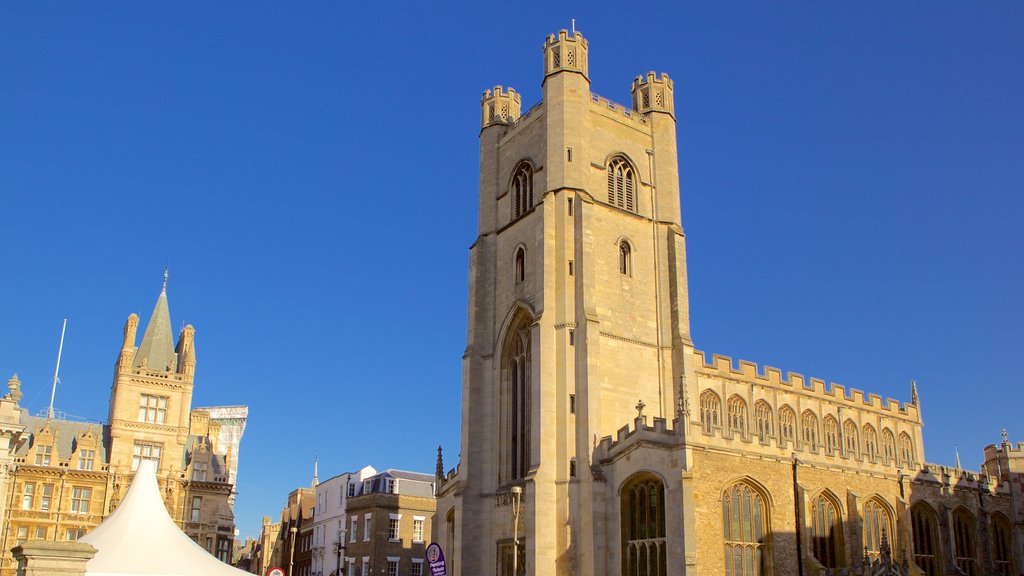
{"x":1006,"y":439}
{"x":14,"y":385}
{"x":164,"y":289}
{"x":956,"y":452}
{"x":439,"y":469}
{"x":914,"y":399}
{"x":640,"y":408}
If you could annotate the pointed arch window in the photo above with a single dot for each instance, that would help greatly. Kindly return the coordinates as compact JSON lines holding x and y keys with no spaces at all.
{"x":850,"y":437}
{"x":831,"y":435}
{"x":870,"y":443}
{"x":710,"y":411}
{"x":520,"y":265}
{"x":625,"y":259}
{"x":906,"y":449}
{"x":964,"y":540}
{"x":877,"y":523}
{"x":787,"y":424}
{"x":1002,"y":546}
{"x":926,"y":539}
{"x":621,"y":184}
{"x":745,"y":531}
{"x":737,"y":416}
{"x":642,"y":502}
{"x":763,"y":420}
{"x":516,"y":400}
{"x":522,"y":189}
{"x":888,"y":446}
{"x":826,"y":534}
{"x":809,"y":429}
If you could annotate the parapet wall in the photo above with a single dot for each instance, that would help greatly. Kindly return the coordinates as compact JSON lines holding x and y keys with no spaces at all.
{"x":723,"y":366}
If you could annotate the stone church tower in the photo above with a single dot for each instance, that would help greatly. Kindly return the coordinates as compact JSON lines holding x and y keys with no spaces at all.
{"x":578,"y":310}
{"x":597,"y":441}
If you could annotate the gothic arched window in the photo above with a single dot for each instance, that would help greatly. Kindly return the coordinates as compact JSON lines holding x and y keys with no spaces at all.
{"x":964,"y":542}
{"x":520,"y":265}
{"x":831,"y":435}
{"x":710,"y":411}
{"x":763,"y":420}
{"x":809,"y":429}
{"x":877,"y":522}
{"x":745,"y":530}
{"x":870,"y":443}
{"x":642,"y":502}
{"x":826,"y":536}
{"x":926,"y":538}
{"x":625,"y":259}
{"x":1002,"y":545}
{"x":787,"y":424}
{"x":621,"y":184}
{"x":515,"y":399}
{"x":522,"y":189}
{"x":888,"y":445}
{"x":737,"y":415}
{"x":906,"y":449}
{"x":850,"y":437}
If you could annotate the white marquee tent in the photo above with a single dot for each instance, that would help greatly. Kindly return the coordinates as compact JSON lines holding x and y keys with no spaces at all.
{"x":140,"y":539}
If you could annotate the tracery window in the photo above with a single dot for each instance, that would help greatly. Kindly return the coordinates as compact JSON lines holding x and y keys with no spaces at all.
{"x":522,"y":189}
{"x":870,"y":442}
{"x":763,"y":420}
{"x":1002,"y":546}
{"x":625,"y":259}
{"x":888,"y":445}
{"x":965,"y":550}
{"x":809,"y":428}
{"x":643,"y":527}
{"x":737,"y":415}
{"x":745,"y":531}
{"x":516,"y":399}
{"x":831,"y":435}
{"x":850,"y":437}
{"x":906,"y":449}
{"x":825,"y":532}
{"x":926,"y":539}
{"x":710,"y":411}
{"x":621,"y":184}
{"x":877,"y":522}
{"x":787,"y":424}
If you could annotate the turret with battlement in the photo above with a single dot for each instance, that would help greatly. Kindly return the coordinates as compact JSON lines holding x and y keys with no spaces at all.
{"x":565,"y":53}
{"x":500,"y":106}
{"x":652,"y":93}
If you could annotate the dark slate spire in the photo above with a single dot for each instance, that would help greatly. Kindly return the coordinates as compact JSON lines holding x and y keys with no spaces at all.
{"x":157,"y":348}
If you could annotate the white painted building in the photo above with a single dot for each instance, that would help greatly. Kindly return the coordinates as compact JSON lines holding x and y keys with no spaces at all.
{"x":329,"y":521}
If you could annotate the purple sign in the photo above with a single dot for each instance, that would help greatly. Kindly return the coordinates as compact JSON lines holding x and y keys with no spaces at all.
{"x":435,"y":558}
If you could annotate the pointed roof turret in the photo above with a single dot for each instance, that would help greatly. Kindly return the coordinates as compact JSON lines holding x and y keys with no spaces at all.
{"x":157,"y":349}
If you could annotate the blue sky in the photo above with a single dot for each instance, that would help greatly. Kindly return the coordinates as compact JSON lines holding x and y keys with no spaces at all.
{"x":851,"y":179}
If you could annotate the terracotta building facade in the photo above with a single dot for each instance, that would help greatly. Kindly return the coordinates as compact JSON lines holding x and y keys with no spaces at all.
{"x":596,"y":439}
{"x":64,"y":477}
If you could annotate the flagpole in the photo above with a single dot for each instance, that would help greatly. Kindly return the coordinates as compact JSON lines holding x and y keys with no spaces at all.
{"x":56,"y":371}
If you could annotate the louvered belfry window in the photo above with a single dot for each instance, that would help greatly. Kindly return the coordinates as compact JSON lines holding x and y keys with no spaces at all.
{"x":522,"y":190}
{"x":621,"y":184}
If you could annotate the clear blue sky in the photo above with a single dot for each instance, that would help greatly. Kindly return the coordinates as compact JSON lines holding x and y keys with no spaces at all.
{"x":851,"y":177}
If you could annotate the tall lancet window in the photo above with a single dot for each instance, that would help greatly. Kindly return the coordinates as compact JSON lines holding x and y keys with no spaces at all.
{"x":644,"y":551}
{"x":516,"y":399}
{"x":621,"y":184}
{"x":522,"y":189}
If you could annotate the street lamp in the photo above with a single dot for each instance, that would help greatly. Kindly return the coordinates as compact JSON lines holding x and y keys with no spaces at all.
{"x":340,"y":549}
{"x":517,"y":499}
{"x":291,"y":550}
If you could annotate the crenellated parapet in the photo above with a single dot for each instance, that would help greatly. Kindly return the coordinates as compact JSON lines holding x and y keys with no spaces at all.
{"x":500,"y":106}
{"x":658,"y":434}
{"x":653,"y":93}
{"x":565,"y":53}
{"x":768,"y":376}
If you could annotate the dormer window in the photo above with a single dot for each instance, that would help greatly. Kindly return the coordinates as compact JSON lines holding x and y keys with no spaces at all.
{"x":200,"y":470}
{"x":43,"y":455}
